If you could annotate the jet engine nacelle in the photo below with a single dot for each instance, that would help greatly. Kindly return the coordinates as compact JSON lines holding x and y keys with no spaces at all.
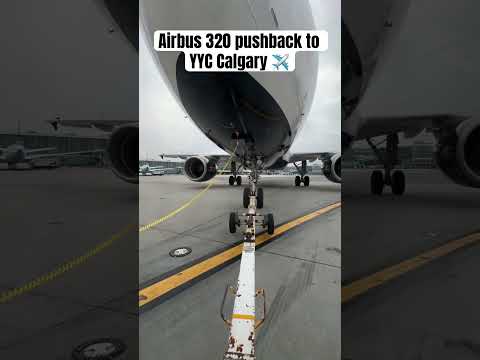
{"x":125,"y":14}
{"x":200,"y":168}
{"x":332,"y":168}
{"x":122,"y":152}
{"x":458,"y":153}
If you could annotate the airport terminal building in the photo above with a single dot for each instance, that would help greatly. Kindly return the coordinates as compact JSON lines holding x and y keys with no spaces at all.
{"x":62,"y":142}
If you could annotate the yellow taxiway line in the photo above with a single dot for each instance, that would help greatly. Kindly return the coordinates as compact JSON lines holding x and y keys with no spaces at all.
{"x":359,"y":287}
{"x":163,"y":287}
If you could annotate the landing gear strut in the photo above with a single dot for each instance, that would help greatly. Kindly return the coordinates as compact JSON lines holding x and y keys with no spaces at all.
{"x":389,"y":177}
{"x":252,"y":190}
{"x":252,"y":200}
{"x":305,"y":179}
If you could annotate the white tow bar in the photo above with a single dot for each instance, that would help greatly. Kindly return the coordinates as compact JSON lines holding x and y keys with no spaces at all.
{"x":241,"y":342}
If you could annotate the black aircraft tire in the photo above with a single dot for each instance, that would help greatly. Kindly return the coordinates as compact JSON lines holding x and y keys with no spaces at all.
{"x":260,"y":198}
{"x":377,"y":183}
{"x":232,"y":223}
{"x":270,"y":224}
{"x":398,"y":182}
{"x":246,"y":197}
{"x":306,"y":180}
{"x":297,"y":180}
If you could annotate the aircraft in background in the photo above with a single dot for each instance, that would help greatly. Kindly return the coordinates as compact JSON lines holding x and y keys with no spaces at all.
{"x":367,"y":39}
{"x":16,"y":154}
{"x":146,"y":169}
{"x":122,"y":150}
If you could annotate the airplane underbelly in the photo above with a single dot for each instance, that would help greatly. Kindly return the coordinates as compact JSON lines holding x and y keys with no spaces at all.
{"x":373,"y":30}
{"x":235,"y":107}
{"x":260,"y":108}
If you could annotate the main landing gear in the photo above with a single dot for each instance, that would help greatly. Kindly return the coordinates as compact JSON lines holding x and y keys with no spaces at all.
{"x":389,"y":177}
{"x":302,"y":178}
{"x":235,"y":178}
{"x":232,"y":180}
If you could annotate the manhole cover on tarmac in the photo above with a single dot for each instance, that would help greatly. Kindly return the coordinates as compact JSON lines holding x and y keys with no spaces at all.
{"x":100,"y":349}
{"x":179,"y":252}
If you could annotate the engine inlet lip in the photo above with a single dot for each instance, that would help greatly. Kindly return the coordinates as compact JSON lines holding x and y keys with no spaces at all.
{"x":190,"y":163}
{"x":121,"y":141}
{"x":464,"y":133}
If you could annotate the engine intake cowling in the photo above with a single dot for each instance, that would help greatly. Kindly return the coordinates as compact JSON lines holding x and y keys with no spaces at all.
{"x":332,"y":168}
{"x":122,"y":152}
{"x":200,"y":168}
{"x":458,"y":154}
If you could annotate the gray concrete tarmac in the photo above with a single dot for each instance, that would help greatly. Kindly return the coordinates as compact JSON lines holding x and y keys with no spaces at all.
{"x":49,"y":217}
{"x":300,"y":271}
{"x":429,"y":313}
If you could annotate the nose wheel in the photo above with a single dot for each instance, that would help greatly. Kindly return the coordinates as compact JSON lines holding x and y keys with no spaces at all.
{"x":247,"y":192}
{"x":269,"y":223}
{"x":233,"y":222}
{"x":252,"y":200}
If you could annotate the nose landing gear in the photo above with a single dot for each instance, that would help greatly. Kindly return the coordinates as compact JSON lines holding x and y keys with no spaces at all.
{"x":252,"y":200}
{"x":244,"y":321}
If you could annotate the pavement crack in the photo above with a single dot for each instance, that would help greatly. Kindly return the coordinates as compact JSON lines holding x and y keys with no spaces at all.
{"x":301,"y":259}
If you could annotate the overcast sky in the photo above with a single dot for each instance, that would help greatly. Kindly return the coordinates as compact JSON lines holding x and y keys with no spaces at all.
{"x":164,"y":128}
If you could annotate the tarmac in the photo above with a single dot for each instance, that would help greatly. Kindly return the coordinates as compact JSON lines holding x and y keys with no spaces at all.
{"x":300,"y":270}
{"x":430,"y":312}
{"x":50,"y":217}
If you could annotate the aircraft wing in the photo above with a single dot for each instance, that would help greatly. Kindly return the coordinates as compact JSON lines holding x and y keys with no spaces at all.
{"x":186,"y":156}
{"x":277,"y":57}
{"x":294,"y":157}
{"x":410,"y":125}
{"x":31,"y":151}
{"x":105,"y":125}
{"x":65,"y":154}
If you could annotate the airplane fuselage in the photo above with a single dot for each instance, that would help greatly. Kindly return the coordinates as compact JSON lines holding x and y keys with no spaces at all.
{"x":367,"y":37}
{"x":258,"y":114}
